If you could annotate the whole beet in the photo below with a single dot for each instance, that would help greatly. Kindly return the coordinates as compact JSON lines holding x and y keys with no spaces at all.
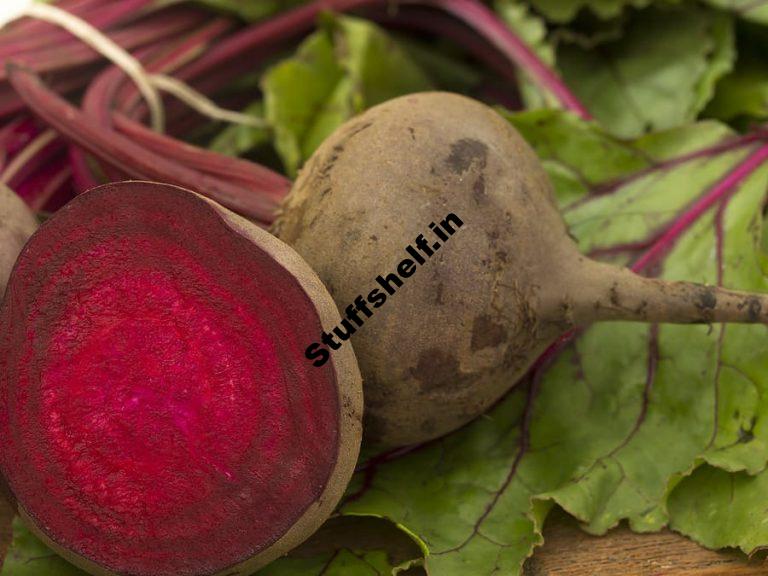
{"x":476,"y":315}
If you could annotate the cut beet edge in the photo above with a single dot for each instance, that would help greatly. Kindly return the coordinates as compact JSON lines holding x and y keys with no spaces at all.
{"x":157,"y":413}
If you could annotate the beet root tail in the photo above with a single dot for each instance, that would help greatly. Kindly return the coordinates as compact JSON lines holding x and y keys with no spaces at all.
{"x":611,"y":293}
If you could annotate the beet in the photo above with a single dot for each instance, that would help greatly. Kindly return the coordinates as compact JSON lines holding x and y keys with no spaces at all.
{"x":471,"y":320}
{"x":157,"y":413}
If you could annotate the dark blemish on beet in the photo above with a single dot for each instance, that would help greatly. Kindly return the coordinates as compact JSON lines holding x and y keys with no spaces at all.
{"x":614,"y":295}
{"x":755,"y":307}
{"x":707,"y":299}
{"x":487,"y":334}
{"x":464,"y":153}
{"x":436,"y":369}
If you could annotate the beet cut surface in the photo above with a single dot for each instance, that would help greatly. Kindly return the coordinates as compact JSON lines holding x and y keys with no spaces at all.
{"x":157,"y":413}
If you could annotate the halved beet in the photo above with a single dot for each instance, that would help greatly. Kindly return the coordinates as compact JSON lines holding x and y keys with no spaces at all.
{"x":157,"y":413}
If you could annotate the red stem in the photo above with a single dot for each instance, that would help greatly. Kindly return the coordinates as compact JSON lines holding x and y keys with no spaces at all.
{"x":41,"y":186}
{"x":131,"y":158}
{"x":721,"y":190}
{"x":49,"y":36}
{"x":75,"y":53}
{"x":248,"y":173}
{"x":112,"y":91}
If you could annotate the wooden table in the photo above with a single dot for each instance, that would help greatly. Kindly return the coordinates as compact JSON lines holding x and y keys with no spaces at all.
{"x":568,"y":551}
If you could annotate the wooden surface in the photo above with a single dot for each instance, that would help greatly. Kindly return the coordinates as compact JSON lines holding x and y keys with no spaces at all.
{"x":568,"y":551}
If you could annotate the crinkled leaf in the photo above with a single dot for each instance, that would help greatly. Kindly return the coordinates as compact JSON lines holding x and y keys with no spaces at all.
{"x":660,"y":74}
{"x":344,"y":68}
{"x":590,"y":34}
{"x":533,"y":31}
{"x":625,"y":409}
{"x":743,"y":93}
{"x":755,"y":10}
{"x":718,"y":509}
{"x":566,"y":10}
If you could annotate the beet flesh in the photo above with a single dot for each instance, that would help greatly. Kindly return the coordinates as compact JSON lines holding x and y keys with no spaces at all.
{"x":157,"y":413}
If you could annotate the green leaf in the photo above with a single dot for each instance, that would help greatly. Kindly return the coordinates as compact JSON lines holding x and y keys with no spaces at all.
{"x":250,"y":10}
{"x":743,"y":93}
{"x":754,"y":10}
{"x":566,"y":10}
{"x":443,"y":64}
{"x":741,"y":97}
{"x":533,"y":31}
{"x":660,"y":74}
{"x":719,"y":510}
{"x":28,"y":556}
{"x":344,"y":68}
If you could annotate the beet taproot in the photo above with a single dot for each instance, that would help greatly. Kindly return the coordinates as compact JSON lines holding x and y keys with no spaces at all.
{"x":17,"y":224}
{"x":157,"y":414}
{"x":474,"y":318}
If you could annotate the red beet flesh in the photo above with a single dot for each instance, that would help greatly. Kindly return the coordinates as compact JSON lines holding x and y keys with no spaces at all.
{"x":157,"y":412}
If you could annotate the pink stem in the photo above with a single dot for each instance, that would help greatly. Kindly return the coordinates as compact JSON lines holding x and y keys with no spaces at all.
{"x":102,"y":17}
{"x":131,"y":158}
{"x":721,"y":190}
{"x":82,"y":175}
{"x":70,"y":54}
{"x":245,"y":172}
